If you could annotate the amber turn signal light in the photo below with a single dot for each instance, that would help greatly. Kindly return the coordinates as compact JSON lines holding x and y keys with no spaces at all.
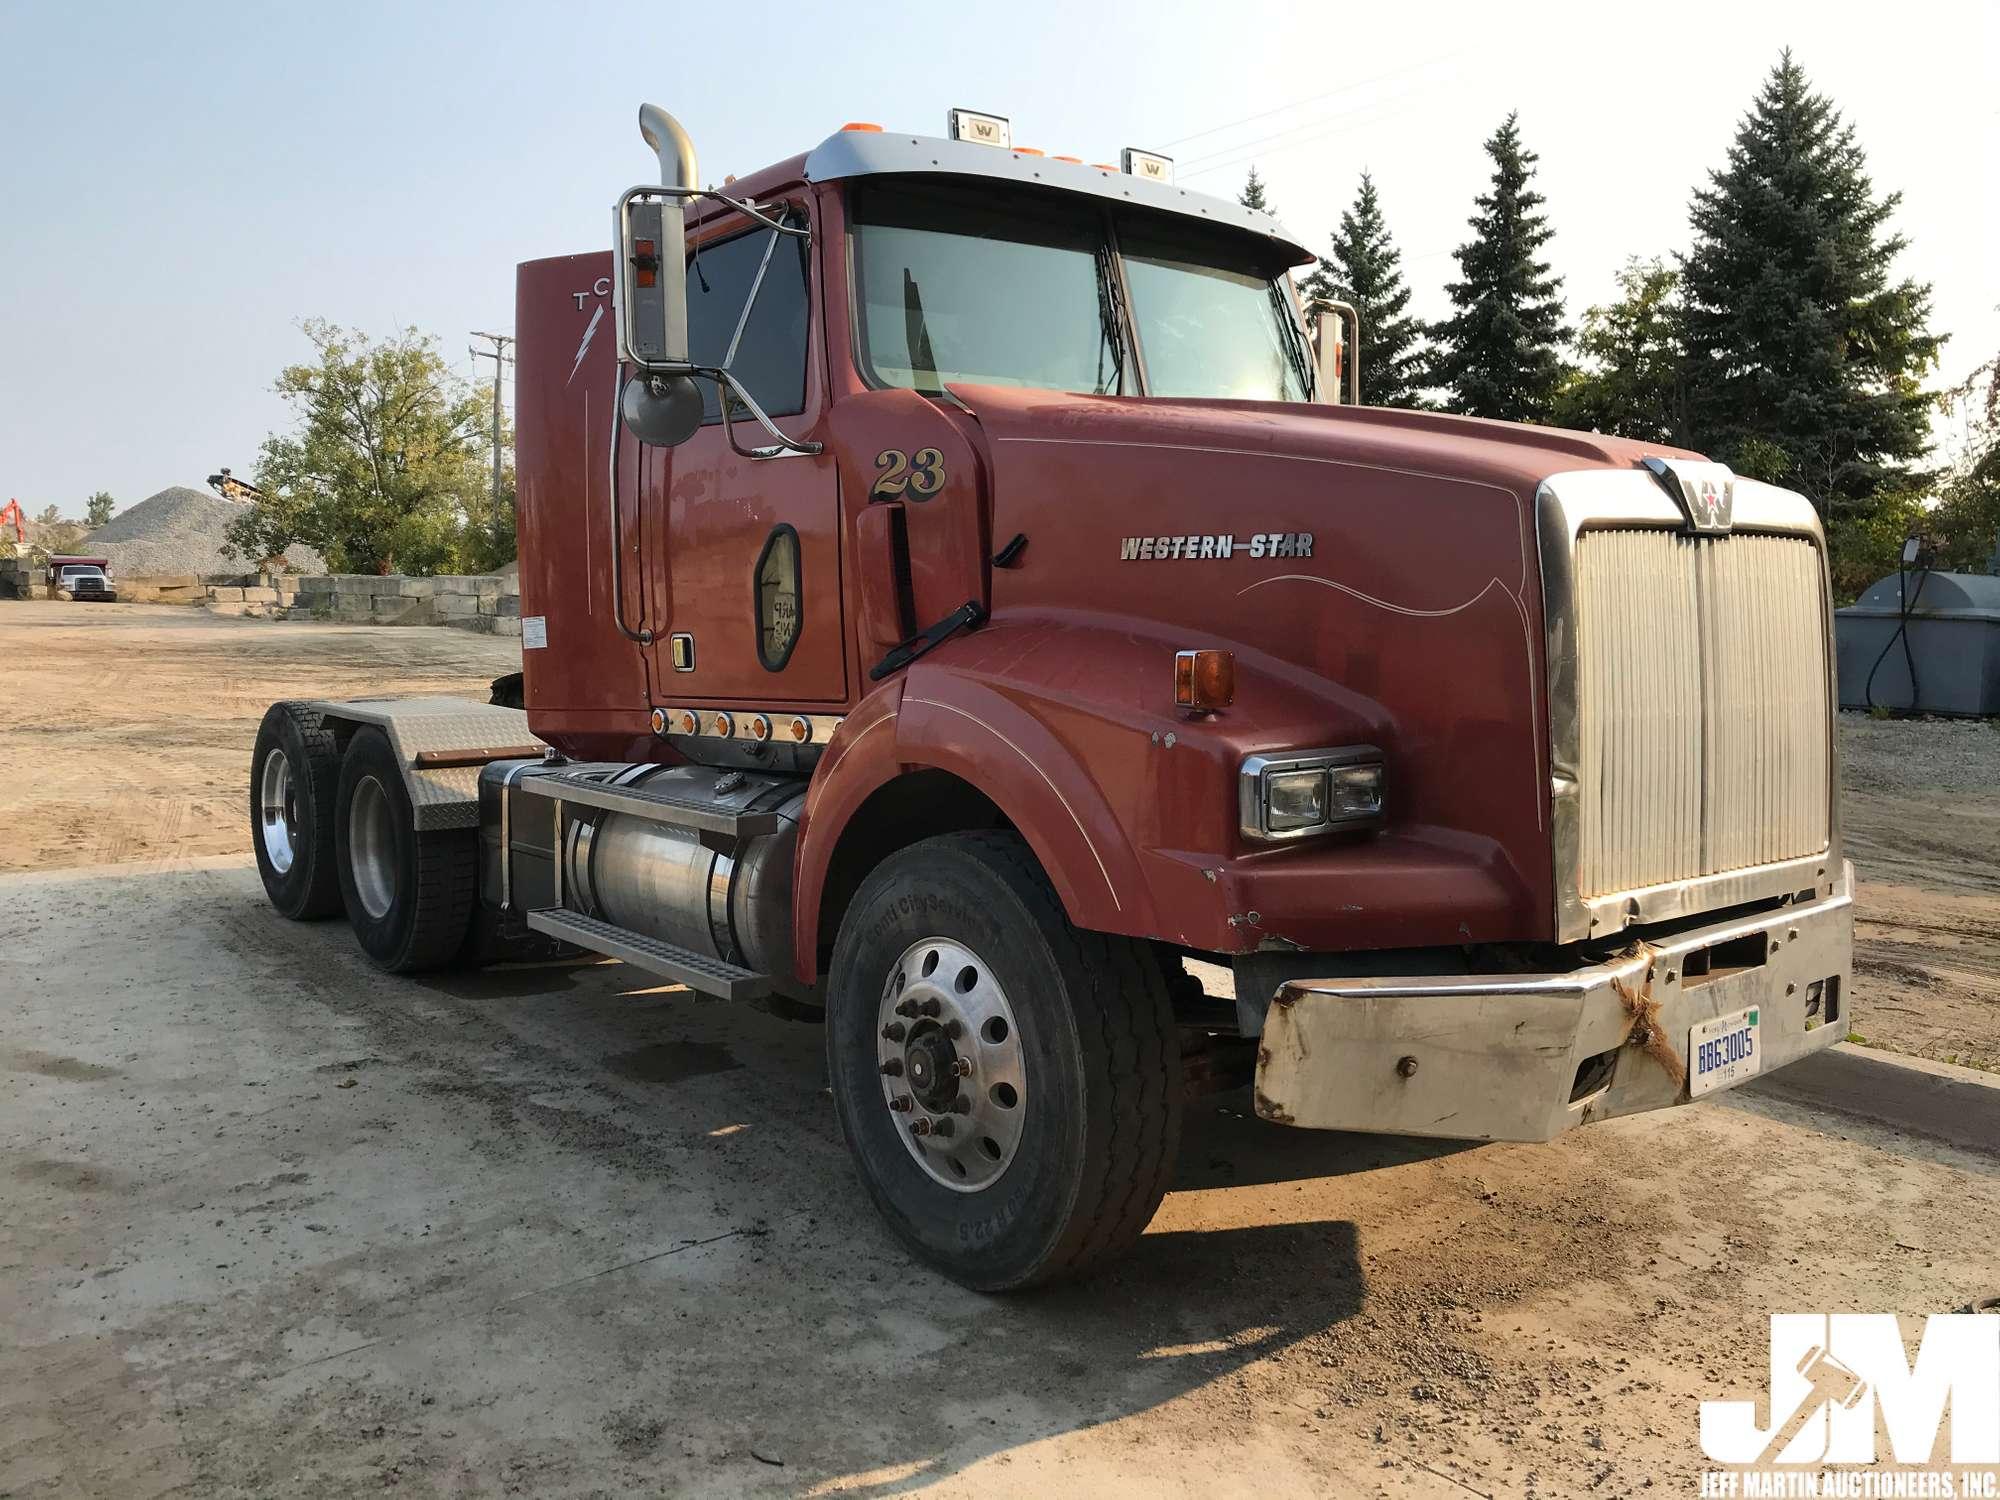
{"x":1204,"y":680}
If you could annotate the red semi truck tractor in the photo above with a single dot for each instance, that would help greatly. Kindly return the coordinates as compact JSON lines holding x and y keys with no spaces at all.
{"x":956,"y":596}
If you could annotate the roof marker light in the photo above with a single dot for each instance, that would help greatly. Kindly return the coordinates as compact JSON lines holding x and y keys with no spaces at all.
{"x":1147,"y":164}
{"x":1077,"y":159}
{"x":981,"y":130}
{"x":862,"y":125}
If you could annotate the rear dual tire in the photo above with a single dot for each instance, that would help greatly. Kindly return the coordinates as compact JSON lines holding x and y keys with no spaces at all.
{"x":294,"y":772}
{"x":409,"y":894}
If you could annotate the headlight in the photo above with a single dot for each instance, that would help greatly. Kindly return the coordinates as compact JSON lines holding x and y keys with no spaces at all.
{"x":1314,"y":791}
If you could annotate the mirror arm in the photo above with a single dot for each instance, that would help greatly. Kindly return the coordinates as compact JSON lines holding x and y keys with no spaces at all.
{"x":745,"y":206}
{"x":1354,"y":349}
{"x":783,"y":444}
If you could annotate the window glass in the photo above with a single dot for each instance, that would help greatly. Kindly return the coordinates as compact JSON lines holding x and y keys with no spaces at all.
{"x":1211,"y":323}
{"x":983,"y":286}
{"x":771,"y":358}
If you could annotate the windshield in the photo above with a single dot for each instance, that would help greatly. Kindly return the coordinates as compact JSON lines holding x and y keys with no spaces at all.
{"x":957,"y":283}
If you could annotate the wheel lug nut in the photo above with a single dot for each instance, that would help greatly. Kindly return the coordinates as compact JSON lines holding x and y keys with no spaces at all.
{"x":907,"y":1008}
{"x":940,"y":1127}
{"x":920,"y":1127}
{"x":893,"y":1032}
{"x":930,"y":1007}
{"x":954,"y":1030}
{"x":962,"y":1068}
{"x":900,"y":1103}
{"x":893,"y":1068}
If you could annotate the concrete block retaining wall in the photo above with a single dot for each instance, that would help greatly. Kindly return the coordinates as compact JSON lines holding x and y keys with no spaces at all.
{"x":470,"y":602}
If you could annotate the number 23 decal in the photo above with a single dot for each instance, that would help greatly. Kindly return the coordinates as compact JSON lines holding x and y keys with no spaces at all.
{"x":921,"y":476}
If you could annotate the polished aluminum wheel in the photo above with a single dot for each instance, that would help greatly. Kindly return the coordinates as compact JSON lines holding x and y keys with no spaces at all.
{"x":953,"y":1075}
{"x":277,"y":812}
{"x":371,"y":846}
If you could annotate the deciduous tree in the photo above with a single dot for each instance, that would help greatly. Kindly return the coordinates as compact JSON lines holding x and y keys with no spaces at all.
{"x":1629,"y":382}
{"x":388,"y":462}
{"x":97,"y":510}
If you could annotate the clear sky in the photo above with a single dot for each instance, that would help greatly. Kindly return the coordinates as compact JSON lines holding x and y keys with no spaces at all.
{"x":179,"y":184}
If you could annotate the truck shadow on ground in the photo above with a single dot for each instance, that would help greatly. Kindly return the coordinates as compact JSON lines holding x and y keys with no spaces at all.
{"x":900,"y":1378}
{"x":642,"y":1238}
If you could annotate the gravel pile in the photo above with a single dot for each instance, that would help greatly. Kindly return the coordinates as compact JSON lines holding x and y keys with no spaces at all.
{"x":177,"y":531}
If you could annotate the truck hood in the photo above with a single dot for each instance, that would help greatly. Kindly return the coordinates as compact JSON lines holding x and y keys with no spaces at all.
{"x":1375,"y":573}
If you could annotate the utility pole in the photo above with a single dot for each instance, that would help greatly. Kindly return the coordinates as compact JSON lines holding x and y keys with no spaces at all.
{"x":498,"y":354}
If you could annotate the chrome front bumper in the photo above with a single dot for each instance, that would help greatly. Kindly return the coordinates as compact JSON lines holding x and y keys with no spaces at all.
{"x":1524,"y":1057}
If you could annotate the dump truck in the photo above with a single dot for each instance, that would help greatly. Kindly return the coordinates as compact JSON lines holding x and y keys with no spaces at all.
{"x":965,"y":604}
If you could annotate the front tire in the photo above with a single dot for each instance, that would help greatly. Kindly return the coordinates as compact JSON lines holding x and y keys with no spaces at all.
{"x":409,"y":895}
{"x":294,"y":774}
{"x":1037,"y":1065}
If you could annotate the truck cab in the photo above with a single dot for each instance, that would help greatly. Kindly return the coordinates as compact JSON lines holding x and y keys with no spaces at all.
{"x":83,"y":580}
{"x":964,"y":602}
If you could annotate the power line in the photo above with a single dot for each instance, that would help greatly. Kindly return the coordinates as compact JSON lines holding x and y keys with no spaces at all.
{"x":1345,"y":88}
{"x":1315,"y":130}
{"x":1238,"y":155}
{"x":498,"y":354}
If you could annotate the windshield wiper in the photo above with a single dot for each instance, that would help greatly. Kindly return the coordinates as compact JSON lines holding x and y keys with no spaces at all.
{"x":1294,"y":341}
{"x":1111,"y":323}
{"x":917,"y":334}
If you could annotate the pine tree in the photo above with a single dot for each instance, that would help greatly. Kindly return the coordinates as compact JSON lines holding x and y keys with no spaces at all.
{"x":1804,"y":359}
{"x":1497,"y":354}
{"x":1366,"y":269}
{"x":1252,"y":195}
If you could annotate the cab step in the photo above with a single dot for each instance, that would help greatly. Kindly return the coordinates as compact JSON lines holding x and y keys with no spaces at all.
{"x":658,"y":807}
{"x":711,"y":976}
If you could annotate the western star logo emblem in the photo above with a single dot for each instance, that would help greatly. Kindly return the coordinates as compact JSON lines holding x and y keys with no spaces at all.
{"x":1215,"y":547}
{"x":1706,"y":491}
{"x":1710,"y":501}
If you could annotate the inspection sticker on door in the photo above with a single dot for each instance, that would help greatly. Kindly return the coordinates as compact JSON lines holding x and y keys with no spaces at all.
{"x":1723,"y":1051}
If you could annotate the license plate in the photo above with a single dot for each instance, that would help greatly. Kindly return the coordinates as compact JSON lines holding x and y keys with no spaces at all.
{"x":1724,"y":1051}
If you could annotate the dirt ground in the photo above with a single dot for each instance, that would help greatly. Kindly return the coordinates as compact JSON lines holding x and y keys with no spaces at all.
{"x":1922,"y":818}
{"x":272,"y":1223}
{"x":125,"y":729}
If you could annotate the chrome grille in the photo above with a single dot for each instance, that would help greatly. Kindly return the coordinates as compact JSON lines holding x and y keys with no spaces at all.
{"x":1703,"y":718}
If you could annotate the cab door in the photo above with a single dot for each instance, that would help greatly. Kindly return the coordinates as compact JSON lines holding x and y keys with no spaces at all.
{"x":742,"y":555}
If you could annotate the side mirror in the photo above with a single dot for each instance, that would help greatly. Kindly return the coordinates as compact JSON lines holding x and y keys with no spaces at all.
{"x":1337,"y":355}
{"x":649,"y":289}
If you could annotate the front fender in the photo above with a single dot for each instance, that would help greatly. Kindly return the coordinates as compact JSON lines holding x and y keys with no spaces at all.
{"x":935,"y":718}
